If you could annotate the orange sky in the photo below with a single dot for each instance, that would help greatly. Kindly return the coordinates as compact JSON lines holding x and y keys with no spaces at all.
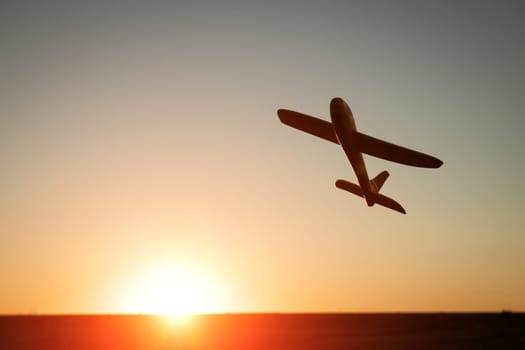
{"x":139,"y":139}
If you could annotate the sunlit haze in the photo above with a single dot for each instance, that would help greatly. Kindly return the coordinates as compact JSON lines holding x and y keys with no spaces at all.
{"x":144,"y":169}
{"x":174,"y":291}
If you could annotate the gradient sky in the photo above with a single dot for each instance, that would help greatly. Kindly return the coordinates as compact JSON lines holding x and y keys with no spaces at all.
{"x":133,"y":136}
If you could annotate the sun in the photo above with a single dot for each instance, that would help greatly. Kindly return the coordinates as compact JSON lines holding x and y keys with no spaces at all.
{"x":175,"y":291}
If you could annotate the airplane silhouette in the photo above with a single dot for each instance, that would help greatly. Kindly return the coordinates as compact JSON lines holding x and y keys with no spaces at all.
{"x":342,"y":131}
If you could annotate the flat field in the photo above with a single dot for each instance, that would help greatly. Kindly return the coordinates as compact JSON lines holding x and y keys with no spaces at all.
{"x":266,"y":331}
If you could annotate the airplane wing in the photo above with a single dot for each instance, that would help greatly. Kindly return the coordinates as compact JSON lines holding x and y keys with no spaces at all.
{"x":389,"y":151}
{"x":309,"y":124}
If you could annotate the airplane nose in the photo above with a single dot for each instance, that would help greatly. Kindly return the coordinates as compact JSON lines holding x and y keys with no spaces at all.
{"x":338,"y":106}
{"x":336,"y":101}
{"x":335,"y":105}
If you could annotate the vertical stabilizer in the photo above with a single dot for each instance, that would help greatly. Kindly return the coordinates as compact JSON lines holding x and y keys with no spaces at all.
{"x":377,"y":182}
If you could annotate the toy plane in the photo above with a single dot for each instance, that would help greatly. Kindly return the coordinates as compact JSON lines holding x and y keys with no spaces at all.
{"x":342,"y":130}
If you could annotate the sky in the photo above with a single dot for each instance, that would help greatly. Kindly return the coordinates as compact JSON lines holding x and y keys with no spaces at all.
{"x":138,"y":137}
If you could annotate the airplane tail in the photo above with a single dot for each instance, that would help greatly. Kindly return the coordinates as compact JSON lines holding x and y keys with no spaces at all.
{"x":374,"y":196}
{"x":377,"y":182}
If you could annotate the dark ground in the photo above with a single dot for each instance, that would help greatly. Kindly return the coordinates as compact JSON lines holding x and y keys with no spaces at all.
{"x":267,"y":331}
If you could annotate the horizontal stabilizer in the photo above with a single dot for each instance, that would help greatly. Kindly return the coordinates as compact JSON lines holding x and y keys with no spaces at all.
{"x":312,"y":125}
{"x":350,"y":187}
{"x":387,"y":202}
{"x":375,"y":197}
{"x":389,"y":151}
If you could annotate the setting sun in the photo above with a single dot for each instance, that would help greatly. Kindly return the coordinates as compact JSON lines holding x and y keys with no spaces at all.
{"x":175,"y":291}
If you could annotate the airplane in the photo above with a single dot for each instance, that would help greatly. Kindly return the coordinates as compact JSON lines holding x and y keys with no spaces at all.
{"x":342,"y":130}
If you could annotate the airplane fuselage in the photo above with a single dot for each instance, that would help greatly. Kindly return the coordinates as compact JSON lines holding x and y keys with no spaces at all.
{"x":344,"y":126}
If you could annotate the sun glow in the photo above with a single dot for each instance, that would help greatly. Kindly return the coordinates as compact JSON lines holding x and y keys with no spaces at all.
{"x":174,"y":291}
